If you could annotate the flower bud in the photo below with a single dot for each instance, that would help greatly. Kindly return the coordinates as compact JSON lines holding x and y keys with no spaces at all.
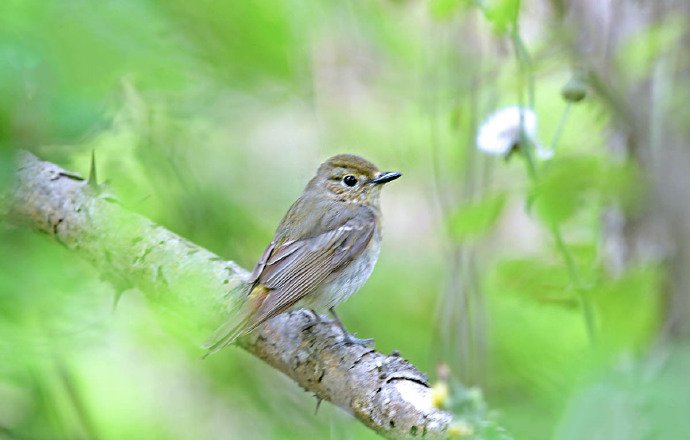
{"x":460,"y":429}
{"x":575,"y":89}
{"x":439,"y":394}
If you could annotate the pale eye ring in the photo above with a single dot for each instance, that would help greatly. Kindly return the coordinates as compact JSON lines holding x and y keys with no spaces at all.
{"x":350,"y":180}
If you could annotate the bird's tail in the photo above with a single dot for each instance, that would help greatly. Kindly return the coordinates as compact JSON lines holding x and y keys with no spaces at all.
{"x":240,"y":321}
{"x":225,"y":335}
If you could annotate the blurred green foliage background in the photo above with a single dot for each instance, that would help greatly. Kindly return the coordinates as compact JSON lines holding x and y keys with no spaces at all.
{"x":209,"y":117}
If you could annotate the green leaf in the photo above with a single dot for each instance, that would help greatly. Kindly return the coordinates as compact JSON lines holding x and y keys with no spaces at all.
{"x":629,"y":307}
{"x":625,"y":185}
{"x":569,"y":184}
{"x":476,"y":219}
{"x":502,"y":13}
{"x":544,"y":282}
{"x":636,"y":398}
{"x":640,"y":51}
{"x":443,"y":9}
{"x":564,"y":187}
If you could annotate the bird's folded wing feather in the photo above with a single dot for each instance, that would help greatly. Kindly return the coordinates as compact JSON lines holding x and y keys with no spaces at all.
{"x":296,"y":267}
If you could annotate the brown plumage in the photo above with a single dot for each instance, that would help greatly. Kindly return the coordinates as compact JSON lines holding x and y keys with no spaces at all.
{"x":323,"y":250}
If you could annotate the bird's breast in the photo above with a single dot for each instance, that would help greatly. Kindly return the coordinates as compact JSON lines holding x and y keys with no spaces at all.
{"x":341,"y":284}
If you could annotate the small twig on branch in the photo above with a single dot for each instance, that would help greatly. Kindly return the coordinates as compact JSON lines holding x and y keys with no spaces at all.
{"x":386,"y":393}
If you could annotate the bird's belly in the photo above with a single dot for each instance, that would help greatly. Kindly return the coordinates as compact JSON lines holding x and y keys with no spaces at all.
{"x":342,"y":284}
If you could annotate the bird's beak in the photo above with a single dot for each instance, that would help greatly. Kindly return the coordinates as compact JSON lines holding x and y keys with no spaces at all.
{"x":385,"y":177}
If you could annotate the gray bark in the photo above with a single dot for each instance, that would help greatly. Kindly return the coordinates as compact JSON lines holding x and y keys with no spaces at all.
{"x":385,"y":392}
{"x":649,"y":128}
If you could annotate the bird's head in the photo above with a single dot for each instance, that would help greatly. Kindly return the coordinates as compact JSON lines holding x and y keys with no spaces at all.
{"x":351,"y":178}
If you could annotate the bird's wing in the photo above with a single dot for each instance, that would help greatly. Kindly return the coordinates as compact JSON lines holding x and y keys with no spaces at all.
{"x":294,"y":268}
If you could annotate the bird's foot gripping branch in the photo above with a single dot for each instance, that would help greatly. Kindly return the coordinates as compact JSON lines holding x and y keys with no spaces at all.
{"x":386,"y":393}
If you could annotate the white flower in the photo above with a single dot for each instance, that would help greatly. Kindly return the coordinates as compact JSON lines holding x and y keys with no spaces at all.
{"x":500,"y":132}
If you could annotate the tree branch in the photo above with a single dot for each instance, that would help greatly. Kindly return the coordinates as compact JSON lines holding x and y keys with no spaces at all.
{"x":386,"y":393}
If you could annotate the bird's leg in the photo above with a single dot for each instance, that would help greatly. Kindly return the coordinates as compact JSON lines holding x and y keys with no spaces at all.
{"x":348,"y":337}
{"x":318,"y":319}
{"x":314,"y":321}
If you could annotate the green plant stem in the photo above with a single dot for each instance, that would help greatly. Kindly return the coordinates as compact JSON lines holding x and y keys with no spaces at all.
{"x":524,"y":67}
{"x":585,"y":303}
{"x":561,"y":124}
{"x":525,"y":70}
{"x":525,"y":63}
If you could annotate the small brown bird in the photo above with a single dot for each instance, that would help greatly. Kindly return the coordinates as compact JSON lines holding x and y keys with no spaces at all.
{"x":323,"y":251}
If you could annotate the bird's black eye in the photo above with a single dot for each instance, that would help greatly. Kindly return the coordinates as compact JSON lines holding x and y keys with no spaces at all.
{"x":350,"y":180}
